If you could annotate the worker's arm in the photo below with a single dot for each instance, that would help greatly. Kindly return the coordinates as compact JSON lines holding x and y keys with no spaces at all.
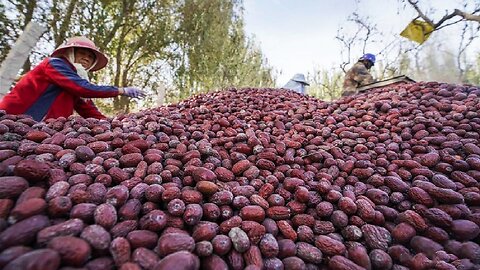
{"x":63,"y":75}
{"x":362,"y":76}
{"x":86,"y":109}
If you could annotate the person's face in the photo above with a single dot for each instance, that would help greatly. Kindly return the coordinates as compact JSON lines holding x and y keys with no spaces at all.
{"x":368,"y":64}
{"x":85,"y":57}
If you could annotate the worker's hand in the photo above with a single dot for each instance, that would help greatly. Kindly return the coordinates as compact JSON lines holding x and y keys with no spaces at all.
{"x":132,"y":92}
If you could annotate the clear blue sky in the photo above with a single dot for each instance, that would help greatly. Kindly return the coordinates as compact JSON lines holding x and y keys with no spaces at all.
{"x":298,"y":35}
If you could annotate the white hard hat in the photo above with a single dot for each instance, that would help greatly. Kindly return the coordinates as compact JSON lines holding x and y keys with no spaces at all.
{"x":299,"y":77}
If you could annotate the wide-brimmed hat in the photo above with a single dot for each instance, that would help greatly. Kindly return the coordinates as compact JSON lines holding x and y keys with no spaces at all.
{"x":83,"y":42}
{"x":300,"y":78}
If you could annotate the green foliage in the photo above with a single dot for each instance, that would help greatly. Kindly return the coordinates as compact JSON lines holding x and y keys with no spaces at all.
{"x":190,"y":46}
{"x":4,"y":32}
{"x":213,"y":50}
{"x":14,"y":17}
{"x":472,"y":76}
{"x":326,"y":84}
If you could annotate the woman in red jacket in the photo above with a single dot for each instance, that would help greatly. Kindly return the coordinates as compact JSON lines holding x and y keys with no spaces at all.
{"x":59,"y":84}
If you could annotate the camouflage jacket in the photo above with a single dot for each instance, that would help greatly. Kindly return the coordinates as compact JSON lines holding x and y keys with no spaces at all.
{"x":357,"y":76}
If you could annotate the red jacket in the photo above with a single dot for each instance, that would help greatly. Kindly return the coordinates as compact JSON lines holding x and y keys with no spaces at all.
{"x":53,"y":89}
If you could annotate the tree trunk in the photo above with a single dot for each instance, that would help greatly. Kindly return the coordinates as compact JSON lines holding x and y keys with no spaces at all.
{"x":17,"y":55}
{"x":26,"y":66}
{"x":30,"y":7}
{"x":60,"y":36}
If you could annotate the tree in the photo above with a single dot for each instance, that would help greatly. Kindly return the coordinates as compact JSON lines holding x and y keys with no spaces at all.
{"x":213,"y":50}
{"x":451,"y":17}
{"x":5,"y":24}
{"x":355,"y":37}
{"x":190,"y":46}
{"x":472,"y":75}
{"x":468,"y":33}
{"x":201,"y":43}
{"x":326,"y":84}
{"x":62,"y":12}
{"x":137,"y":34}
{"x":357,"y":40}
{"x":18,"y":14}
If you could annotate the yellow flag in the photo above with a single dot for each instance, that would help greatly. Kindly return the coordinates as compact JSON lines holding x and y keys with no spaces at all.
{"x":418,"y":31}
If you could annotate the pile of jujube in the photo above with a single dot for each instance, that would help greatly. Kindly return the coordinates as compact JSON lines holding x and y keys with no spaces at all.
{"x":249,"y":179}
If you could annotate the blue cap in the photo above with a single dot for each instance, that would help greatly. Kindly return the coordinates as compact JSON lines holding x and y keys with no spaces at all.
{"x":368,"y":56}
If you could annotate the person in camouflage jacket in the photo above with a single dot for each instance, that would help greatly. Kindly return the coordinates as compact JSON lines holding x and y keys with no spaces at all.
{"x":358,"y":75}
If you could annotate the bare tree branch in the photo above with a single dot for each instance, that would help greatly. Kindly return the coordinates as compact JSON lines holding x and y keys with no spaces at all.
{"x":467,"y":16}
{"x":440,"y":24}
{"x":360,"y":38}
{"x":419,"y":11}
{"x":462,"y":47}
{"x":448,"y":24}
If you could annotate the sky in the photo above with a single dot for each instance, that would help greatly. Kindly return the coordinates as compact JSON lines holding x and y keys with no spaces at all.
{"x":297,"y":36}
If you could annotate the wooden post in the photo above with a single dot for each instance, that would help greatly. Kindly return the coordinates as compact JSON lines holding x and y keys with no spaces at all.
{"x":18,"y":55}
